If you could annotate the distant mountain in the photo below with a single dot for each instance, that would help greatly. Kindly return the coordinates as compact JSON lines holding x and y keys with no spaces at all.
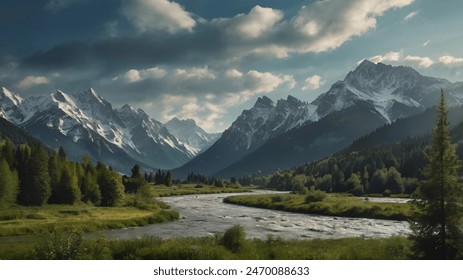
{"x":395,"y":92}
{"x":251,"y":129}
{"x":369,"y":97}
{"x":86,"y":124}
{"x":309,"y":142}
{"x":192,"y":136}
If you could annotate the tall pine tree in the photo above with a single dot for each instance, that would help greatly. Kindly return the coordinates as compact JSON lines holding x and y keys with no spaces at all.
{"x":437,"y":228}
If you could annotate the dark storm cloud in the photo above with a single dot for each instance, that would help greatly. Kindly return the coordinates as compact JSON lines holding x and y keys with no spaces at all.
{"x":115,"y":54}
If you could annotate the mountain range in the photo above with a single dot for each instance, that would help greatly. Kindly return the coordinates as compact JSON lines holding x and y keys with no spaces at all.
{"x":267,"y":137}
{"x":369,"y":97}
{"x":86,"y":124}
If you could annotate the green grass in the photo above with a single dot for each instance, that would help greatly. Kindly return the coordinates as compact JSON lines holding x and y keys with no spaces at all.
{"x":331,"y":205}
{"x":187,"y":189}
{"x":19,"y":220}
{"x":50,"y":246}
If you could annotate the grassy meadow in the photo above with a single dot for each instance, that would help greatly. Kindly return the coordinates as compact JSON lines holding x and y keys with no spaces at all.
{"x":191,"y":189}
{"x":325,"y":204}
{"x":69,"y":244}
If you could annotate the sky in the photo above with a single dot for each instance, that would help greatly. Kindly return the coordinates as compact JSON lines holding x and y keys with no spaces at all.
{"x":209,"y":60}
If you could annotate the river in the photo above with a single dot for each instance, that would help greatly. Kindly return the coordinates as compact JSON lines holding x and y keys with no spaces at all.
{"x":205,"y":215}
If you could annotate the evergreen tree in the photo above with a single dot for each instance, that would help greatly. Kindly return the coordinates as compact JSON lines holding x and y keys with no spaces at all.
{"x":136,"y":173}
{"x":69,"y":189}
{"x":88,"y":183}
{"x":168,"y":179}
{"x":8,"y":184}
{"x":110,"y":183}
{"x":55,"y":170}
{"x":35,"y":183}
{"x":437,"y":222}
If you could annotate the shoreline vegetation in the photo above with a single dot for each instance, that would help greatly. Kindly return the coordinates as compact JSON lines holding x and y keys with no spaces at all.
{"x":320,"y":203}
{"x":136,"y":210}
{"x":230,"y":245}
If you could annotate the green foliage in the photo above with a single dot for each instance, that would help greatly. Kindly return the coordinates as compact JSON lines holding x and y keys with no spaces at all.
{"x":35,"y":186}
{"x":89,"y":187}
{"x":234,"y":238}
{"x":210,"y":248}
{"x":298,"y":184}
{"x":437,"y":222}
{"x":111,"y":187}
{"x":354,"y":185}
{"x":8,"y":184}
{"x":314,"y":196}
{"x":60,"y":245}
{"x":330,"y":205}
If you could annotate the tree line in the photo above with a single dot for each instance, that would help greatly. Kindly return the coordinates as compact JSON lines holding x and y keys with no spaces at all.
{"x":30,"y":176}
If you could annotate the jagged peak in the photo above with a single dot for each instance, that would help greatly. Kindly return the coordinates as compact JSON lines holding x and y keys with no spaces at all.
{"x":59,"y":96}
{"x":127,"y":108}
{"x":264,"y":101}
{"x":15,"y":98}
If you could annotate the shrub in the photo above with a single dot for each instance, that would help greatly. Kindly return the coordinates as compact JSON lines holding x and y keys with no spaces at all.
{"x":315,"y":196}
{"x":60,"y":245}
{"x":234,"y":238}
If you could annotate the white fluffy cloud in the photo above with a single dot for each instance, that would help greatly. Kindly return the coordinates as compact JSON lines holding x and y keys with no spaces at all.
{"x":388,"y":57}
{"x":252,"y":25}
{"x":421,"y":62}
{"x":31,"y":81}
{"x":328,"y":24}
{"x":157,"y":15}
{"x":134,"y":75}
{"x":447,"y":59}
{"x":312,"y":82}
{"x":202,"y":94}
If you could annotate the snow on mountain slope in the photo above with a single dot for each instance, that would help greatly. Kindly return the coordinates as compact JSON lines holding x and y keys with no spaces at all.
{"x":192,"y":136}
{"x":390,"y":89}
{"x":10,"y":106}
{"x":264,"y":121}
{"x":86,"y":117}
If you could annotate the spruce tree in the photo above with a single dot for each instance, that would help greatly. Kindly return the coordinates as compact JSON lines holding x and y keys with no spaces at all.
{"x":35,"y":183}
{"x":436,"y":225}
{"x":8,"y":184}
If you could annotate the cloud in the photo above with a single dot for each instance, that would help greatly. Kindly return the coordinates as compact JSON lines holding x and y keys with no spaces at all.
{"x":326,"y":25}
{"x":422,"y":62}
{"x":134,"y":75}
{"x":252,"y":25}
{"x":447,"y":59}
{"x":31,"y":81}
{"x":157,"y":15}
{"x":313,"y":82}
{"x":261,"y":34}
{"x":410,"y":15}
{"x":173,"y":91}
{"x":388,"y":57}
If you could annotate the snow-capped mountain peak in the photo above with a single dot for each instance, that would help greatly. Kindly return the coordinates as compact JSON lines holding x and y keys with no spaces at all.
{"x":191,"y":135}
{"x":10,"y":106}
{"x":394,"y":91}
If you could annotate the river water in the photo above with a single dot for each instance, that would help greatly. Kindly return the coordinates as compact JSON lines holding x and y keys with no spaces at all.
{"x":205,"y":215}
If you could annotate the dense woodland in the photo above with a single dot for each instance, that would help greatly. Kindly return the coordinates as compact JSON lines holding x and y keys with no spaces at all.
{"x":30,"y":176}
{"x":394,"y":168}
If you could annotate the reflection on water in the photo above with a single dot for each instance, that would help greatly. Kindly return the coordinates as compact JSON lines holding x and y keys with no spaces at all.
{"x":204,"y":215}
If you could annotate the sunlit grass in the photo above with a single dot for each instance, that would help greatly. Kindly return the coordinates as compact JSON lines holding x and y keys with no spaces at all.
{"x":31,"y":220}
{"x":190,"y":189}
{"x":331,"y":205}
